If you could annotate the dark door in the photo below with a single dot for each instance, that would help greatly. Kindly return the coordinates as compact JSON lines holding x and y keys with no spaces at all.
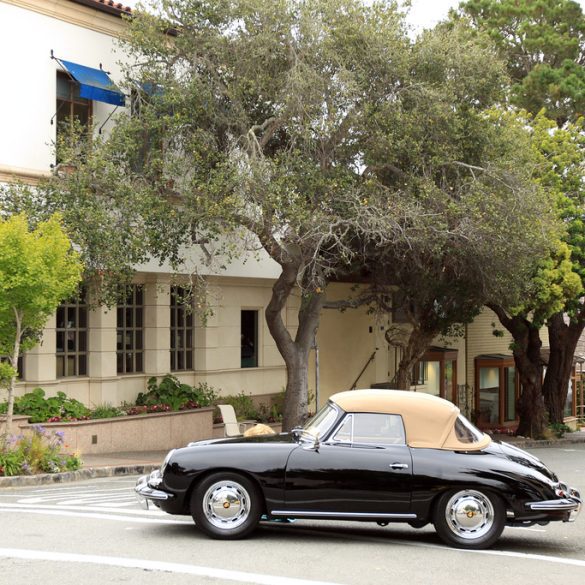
{"x":364,"y":468}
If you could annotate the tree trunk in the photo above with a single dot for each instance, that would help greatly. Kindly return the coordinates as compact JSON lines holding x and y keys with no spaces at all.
{"x":294,"y":352}
{"x":563,"y":339}
{"x":14,"y":363}
{"x":418,"y":342}
{"x":526,"y":351}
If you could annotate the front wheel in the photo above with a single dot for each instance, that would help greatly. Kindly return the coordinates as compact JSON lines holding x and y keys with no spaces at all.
{"x":226,"y":506}
{"x":469,"y":518}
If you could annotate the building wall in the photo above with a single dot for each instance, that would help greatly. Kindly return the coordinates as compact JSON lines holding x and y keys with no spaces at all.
{"x":27,"y":103}
{"x":29,"y":30}
{"x":217,"y":359}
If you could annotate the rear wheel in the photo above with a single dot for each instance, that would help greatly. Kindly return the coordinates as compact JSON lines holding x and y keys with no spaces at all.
{"x":470,"y":518}
{"x":226,"y":506}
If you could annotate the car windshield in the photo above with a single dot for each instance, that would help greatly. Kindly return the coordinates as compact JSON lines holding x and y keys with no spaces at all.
{"x":321,"y":422}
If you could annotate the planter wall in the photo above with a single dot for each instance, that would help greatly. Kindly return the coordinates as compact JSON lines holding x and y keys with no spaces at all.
{"x":144,"y":432}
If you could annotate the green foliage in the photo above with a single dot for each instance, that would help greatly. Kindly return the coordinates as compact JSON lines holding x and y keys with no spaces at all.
{"x":7,"y":373}
{"x":246,"y":409}
{"x":38,"y":269}
{"x":40,"y":409}
{"x":543,"y":43}
{"x":106,"y":411}
{"x":176,"y":395}
{"x":39,"y":452}
{"x":559,"y":429}
{"x":319,"y":130}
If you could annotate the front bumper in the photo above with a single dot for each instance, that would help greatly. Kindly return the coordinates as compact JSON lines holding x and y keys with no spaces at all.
{"x":146,"y":489}
{"x":569,"y":507}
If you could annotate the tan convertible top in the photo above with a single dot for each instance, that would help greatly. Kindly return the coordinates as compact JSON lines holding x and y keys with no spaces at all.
{"x":429,"y":421}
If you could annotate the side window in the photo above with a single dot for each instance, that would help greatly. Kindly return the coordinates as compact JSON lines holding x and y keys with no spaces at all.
{"x":344,"y":433}
{"x":372,"y":429}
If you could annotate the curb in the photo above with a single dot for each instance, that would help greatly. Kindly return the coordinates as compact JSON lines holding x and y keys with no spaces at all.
{"x":536,"y":443}
{"x":79,"y":475}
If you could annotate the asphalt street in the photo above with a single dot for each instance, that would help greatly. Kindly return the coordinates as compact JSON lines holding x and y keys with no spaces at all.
{"x":93,"y":532}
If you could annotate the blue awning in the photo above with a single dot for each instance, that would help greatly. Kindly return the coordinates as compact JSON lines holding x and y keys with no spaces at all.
{"x":94,"y":84}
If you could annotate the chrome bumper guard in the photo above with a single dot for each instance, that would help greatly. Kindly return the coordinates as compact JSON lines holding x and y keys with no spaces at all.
{"x":145,"y":489}
{"x":572,"y":505}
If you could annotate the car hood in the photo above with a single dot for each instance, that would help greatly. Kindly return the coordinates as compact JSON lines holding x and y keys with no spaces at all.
{"x":513,"y":453}
{"x":279,"y":438}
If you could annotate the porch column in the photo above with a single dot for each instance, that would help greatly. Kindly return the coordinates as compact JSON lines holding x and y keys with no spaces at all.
{"x":157,"y":322}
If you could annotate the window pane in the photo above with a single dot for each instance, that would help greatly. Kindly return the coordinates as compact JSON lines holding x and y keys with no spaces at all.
{"x":71,"y":366}
{"x":384,"y":429}
{"x":489,"y":395}
{"x":60,"y":341}
{"x":82,"y":365}
{"x":343,"y":435}
{"x":60,"y":317}
{"x":82,"y":315}
{"x":71,"y":346}
{"x":82,"y":341}
{"x":60,"y":366}
{"x":71,"y":317}
{"x":138,"y":362}
{"x":510,"y":394}
{"x":249,"y":339}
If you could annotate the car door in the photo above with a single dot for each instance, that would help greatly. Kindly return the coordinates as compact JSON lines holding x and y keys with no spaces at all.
{"x":365,"y":467}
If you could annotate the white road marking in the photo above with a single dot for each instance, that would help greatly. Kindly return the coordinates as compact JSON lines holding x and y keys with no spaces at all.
{"x":525,"y":556}
{"x":136,"y":511}
{"x":238,"y":576}
{"x":96,"y":515}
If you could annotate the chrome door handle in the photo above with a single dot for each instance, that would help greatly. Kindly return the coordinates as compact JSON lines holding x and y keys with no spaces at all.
{"x":398,"y":466}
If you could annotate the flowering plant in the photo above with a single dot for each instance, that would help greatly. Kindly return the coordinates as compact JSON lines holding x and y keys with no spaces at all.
{"x":40,"y":452}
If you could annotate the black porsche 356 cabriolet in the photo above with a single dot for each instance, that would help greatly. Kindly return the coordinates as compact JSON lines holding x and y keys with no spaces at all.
{"x":369,"y":455}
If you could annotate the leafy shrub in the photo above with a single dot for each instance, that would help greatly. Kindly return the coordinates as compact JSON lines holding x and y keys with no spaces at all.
{"x":559,"y":429}
{"x":106,"y":411}
{"x":177,"y":395}
{"x":41,"y":452}
{"x":40,"y":409}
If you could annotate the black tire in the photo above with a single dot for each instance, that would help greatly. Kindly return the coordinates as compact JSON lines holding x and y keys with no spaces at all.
{"x":417,"y":523}
{"x":226,"y":506}
{"x":469,"y":518}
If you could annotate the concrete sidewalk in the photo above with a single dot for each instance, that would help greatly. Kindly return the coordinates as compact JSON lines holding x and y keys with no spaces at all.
{"x":136,"y":463}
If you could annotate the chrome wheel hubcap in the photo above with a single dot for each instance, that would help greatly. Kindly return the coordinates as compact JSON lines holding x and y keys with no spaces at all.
{"x":226,"y":504}
{"x":469,"y":514}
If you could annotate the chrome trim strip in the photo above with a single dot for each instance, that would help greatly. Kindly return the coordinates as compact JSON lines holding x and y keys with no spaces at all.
{"x":553,"y":505}
{"x":292,"y":513}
